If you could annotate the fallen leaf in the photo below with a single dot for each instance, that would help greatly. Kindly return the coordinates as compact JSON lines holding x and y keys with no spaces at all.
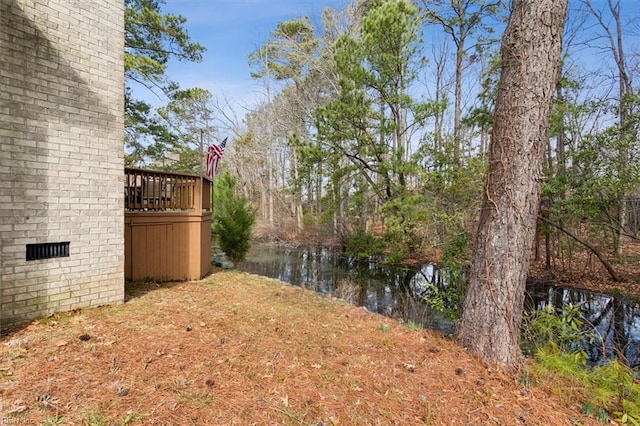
{"x":409,"y":367}
{"x":19,"y":409}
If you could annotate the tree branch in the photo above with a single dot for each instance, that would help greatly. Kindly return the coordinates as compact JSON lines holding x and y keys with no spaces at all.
{"x":612,"y":273}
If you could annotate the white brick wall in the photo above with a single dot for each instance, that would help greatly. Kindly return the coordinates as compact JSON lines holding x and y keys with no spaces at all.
{"x":61,"y":154}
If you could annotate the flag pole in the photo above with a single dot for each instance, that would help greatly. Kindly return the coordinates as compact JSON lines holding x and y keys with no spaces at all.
{"x":216,"y":152}
{"x":213,"y":188}
{"x":201,"y":169}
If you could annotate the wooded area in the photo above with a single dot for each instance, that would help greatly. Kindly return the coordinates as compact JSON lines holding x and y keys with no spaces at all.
{"x":374,"y":130}
{"x":376,"y":124}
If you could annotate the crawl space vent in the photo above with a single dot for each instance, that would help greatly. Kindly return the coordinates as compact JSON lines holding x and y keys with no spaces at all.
{"x":47,"y":250}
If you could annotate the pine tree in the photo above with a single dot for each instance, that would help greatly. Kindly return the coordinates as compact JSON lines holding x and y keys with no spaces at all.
{"x":233,"y":220}
{"x":493,"y":306}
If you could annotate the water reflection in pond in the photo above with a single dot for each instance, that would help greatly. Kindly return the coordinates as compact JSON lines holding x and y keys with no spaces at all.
{"x":616,"y":319}
{"x":394,"y":291}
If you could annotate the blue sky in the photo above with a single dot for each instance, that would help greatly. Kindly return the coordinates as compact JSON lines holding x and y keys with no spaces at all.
{"x":230,"y":30}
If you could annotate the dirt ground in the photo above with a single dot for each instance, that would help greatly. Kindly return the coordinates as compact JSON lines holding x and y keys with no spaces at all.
{"x":584,"y":270}
{"x":237,"y":349}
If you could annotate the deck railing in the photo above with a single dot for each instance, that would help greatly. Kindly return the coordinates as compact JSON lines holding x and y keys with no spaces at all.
{"x":154,"y":190}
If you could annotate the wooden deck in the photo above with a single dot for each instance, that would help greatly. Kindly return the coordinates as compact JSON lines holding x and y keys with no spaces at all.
{"x":167,"y":226}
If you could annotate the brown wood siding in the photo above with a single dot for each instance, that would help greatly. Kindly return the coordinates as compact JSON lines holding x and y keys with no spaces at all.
{"x":167,"y":246}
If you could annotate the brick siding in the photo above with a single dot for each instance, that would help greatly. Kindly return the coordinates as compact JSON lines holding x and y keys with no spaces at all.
{"x":61,"y":155}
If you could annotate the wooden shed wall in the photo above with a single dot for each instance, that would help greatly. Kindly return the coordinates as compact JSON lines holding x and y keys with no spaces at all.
{"x":167,"y":246}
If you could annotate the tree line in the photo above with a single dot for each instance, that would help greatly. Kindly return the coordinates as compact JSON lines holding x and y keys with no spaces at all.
{"x":397,"y":126}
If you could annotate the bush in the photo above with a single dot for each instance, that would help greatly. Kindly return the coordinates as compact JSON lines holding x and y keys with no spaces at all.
{"x":564,"y":329}
{"x":233,"y":220}
{"x":364,"y":245}
{"x":555,"y":338}
{"x":448,"y":298}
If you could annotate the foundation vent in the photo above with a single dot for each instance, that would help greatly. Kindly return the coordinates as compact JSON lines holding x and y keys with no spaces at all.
{"x":47,"y":250}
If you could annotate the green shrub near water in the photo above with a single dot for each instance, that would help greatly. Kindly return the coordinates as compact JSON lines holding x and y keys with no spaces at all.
{"x":564,"y":329}
{"x":233,"y":220}
{"x":448,"y":299}
{"x":553,"y":337}
{"x":364,"y":245}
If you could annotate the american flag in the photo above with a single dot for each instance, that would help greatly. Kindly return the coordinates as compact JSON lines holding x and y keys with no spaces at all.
{"x":214,"y":154}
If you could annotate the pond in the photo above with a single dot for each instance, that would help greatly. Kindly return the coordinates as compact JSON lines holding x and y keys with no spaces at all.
{"x":394,"y":291}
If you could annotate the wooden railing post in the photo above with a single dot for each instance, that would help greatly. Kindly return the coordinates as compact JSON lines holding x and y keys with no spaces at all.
{"x":197,"y":202}
{"x":206,"y":195}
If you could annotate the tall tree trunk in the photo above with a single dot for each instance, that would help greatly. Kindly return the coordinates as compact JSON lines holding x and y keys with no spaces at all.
{"x":492,"y":311}
{"x":440,"y":61}
{"x":624,"y":89}
{"x":457,"y":110}
{"x":270,"y":189}
{"x":296,"y":198}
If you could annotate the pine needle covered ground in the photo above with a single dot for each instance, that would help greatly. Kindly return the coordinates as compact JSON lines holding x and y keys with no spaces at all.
{"x":240,"y":349}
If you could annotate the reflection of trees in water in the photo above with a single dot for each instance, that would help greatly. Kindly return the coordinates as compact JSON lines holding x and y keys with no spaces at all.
{"x":620,"y":336}
{"x":601,"y":320}
{"x":615,"y":324}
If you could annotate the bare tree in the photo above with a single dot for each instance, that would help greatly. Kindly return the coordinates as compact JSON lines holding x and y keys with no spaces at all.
{"x":461,"y":19}
{"x":437,"y":72}
{"x":492,"y":311}
{"x":611,"y":31}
